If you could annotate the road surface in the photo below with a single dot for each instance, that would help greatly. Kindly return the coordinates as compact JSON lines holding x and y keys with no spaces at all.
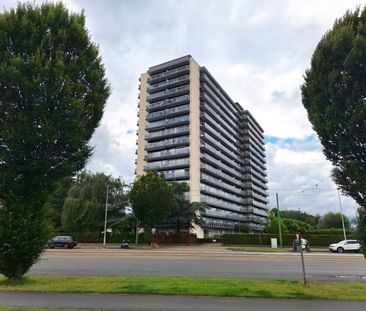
{"x":201,"y":262}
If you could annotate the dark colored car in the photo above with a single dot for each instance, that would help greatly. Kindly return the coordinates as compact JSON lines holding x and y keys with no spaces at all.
{"x":62,"y":241}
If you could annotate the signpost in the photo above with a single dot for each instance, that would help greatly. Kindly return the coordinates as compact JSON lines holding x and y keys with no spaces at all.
{"x":298,"y":240}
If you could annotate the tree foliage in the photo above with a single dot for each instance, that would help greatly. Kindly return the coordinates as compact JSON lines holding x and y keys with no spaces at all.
{"x":55,"y":202}
{"x":184,"y":214}
{"x":152,"y":199}
{"x":334,"y":95}
{"x":287,"y":225}
{"x":333,"y":220}
{"x":312,"y":220}
{"x":52,"y":95}
{"x":84,"y":206}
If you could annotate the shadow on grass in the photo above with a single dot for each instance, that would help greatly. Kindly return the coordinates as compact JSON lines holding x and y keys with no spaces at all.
{"x":16,"y":283}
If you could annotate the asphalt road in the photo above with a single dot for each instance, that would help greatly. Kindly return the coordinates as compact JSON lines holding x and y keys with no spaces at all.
{"x":143,"y":302}
{"x":201,"y":262}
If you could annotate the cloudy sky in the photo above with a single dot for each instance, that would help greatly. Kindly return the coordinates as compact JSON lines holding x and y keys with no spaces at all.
{"x":257,"y":50}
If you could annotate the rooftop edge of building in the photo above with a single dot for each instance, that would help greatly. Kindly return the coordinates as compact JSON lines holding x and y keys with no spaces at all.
{"x":168,"y":64}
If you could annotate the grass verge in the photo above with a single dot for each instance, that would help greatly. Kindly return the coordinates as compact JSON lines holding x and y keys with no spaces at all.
{"x":189,"y":287}
{"x":258,"y":249}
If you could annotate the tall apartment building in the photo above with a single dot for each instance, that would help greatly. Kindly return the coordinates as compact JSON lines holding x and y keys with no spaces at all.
{"x":190,"y":130}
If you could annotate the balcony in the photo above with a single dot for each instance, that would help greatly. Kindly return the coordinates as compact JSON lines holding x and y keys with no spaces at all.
{"x":214,"y":202}
{"x":171,"y":153}
{"x":167,"y":123}
{"x":173,"y":82}
{"x":171,"y":112}
{"x":169,"y":73}
{"x":213,"y":191}
{"x":224,"y":214}
{"x":179,"y":141}
{"x":217,"y":182}
{"x":167,"y":164}
{"x":216,"y":172}
{"x":169,"y":93}
{"x":176,"y":175}
{"x":181,"y":130}
{"x":167,"y":103}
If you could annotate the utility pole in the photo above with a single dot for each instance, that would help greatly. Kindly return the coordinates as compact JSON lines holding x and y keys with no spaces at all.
{"x":279,"y":221}
{"x":105,"y":218}
{"x":340,"y":207}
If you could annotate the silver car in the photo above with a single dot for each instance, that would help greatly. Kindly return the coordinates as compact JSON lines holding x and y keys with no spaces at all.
{"x":345,"y":246}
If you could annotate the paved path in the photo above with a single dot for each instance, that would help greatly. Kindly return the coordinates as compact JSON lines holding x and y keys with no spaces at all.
{"x":143,"y":302}
{"x":201,"y":262}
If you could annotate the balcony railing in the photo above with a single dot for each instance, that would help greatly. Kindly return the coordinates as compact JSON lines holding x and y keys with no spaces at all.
{"x":167,"y":83}
{"x":167,"y":153}
{"x":175,"y":174}
{"x":168,"y":142}
{"x":166,"y":123}
{"x":209,"y":179}
{"x":173,"y":131}
{"x":168,"y":73}
{"x":160,"y":165}
{"x":168,"y":92}
{"x":167,"y":102}
{"x":167,"y":112}
{"x":218,"y":192}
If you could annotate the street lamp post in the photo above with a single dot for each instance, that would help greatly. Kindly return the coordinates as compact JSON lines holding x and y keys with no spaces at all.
{"x":340,"y":207}
{"x":105,"y":218}
{"x":279,"y":221}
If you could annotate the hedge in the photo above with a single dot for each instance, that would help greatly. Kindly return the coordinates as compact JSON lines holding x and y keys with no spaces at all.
{"x":265,"y":239}
{"x":92,"y":237}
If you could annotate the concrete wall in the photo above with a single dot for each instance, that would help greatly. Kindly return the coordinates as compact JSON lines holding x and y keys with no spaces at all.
{"x":141,"y":128}
{"x":194,"y":138}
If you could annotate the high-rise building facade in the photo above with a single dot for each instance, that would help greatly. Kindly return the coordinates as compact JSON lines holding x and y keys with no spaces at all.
{"x":190,"y":130}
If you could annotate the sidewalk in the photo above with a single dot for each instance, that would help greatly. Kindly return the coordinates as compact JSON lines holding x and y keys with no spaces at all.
{"x":211,"y":246}
{"x":173,"y":303}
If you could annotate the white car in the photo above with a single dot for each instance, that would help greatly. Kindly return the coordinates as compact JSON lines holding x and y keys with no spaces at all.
{"x":345,"y":246}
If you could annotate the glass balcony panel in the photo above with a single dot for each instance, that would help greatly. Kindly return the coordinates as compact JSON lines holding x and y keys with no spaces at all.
{"x":167,"y":122}
{"x":167,"y":112}
{"x":159,"y":165}
{"x":168,"y":72}
{"x":168,"y":82}
{"x":167,"y":102}
{"x":167,"y":153}
{"x":221,"y":184}
{"x":168,"y":142}
{"x":176,"y":130}
{"x":168,"y":92}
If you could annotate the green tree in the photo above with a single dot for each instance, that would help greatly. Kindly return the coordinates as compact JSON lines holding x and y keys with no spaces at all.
{"x":84,"y":206}
{"x":52,"y":95}
{"x":184,"y":214}
{"x":287,"y":225}
{"x":152,"y":199}
{"x":333,"y":220}
{"x":299,"y":215}
{"x":334,"y":97}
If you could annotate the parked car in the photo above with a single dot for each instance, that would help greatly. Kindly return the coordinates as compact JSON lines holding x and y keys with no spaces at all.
{"x":345,"y":246}
{"x":62,"y":241}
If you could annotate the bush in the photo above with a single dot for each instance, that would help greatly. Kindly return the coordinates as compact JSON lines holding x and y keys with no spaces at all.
{"x":93,"y":237}
{"x":265,"y":239}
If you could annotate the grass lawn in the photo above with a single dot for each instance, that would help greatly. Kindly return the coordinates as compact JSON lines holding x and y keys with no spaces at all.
{"x":189,"y":287}
{"x":258,"y":249}
{"x":35,"y":309}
